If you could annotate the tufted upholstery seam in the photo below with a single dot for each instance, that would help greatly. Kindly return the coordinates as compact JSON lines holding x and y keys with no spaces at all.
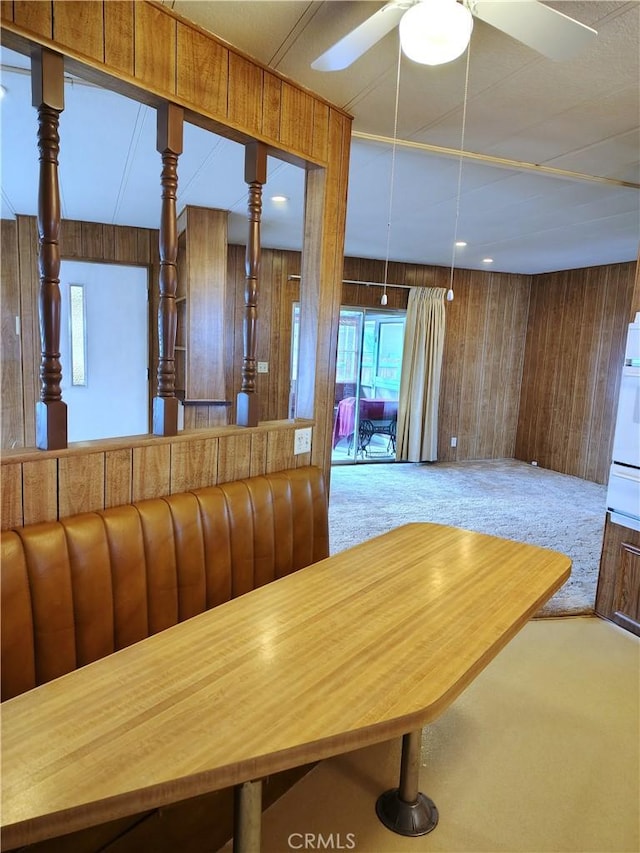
{"x":80,"y":588}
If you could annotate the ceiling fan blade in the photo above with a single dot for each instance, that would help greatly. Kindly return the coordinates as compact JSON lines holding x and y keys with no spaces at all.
{"x":546,"y":30}
{"x":358,"y":41}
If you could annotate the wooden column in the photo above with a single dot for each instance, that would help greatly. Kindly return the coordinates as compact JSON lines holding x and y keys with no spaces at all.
{"x":169,"y":144}
{"x":255,"y":174}
{"x":47,"y":89}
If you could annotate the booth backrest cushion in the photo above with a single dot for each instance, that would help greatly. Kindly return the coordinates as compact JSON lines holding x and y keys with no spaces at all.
{"x":83,"y":587}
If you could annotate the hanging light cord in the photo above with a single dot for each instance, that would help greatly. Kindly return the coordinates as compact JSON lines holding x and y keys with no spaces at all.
{"x":383,"y":301}
{"x":460,"y":161}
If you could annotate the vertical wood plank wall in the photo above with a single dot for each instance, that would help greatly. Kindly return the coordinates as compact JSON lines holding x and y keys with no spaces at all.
{"x":53,"y":484}
{"x":483,"y":353}
{"x":487,"y":399}
{"x":12,"y":415}
{"x":573,"y":364}
{"x":575,"y":319}
{"x":144,"y":50}
{"x":202,"y":271}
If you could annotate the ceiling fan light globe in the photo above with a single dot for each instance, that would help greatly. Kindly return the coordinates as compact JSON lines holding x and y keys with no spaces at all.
{"x":434,"y":32}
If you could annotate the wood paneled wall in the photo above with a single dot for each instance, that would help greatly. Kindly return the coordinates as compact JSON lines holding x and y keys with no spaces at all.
{"x":484,"y":347}
{"x":275,"y":311}
{"x":53,"y":484}
{"x":558,"y":411}
{"x":145,"y":51}
{"x":12,"y":414}
{"x":155,"y":54}
{"x":573,"y":364}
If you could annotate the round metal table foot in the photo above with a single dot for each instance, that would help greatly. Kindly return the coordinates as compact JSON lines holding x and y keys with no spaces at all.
{"x":416,"y":818}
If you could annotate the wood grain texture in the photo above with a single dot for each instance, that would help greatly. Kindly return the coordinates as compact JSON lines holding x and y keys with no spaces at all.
{"x":133,"y":469}
{"x":6,"y":10}
{"x":39,"y":490}
{"x":36,"y":18}
{"x":497,"y":337}
{"x":325,"y":304}
{"x":259,"y":458}
{"x":280,"y":454}
{"x":574,"y":348}
{"x":155,"y":47}
{"x":271,"y":106}
{"x":151,"y":471}
{"x":194,"y":464}
{"x":320,"y":135}
{"x":80,"y":25}
{"x":297,"y":121}
{"x":47,"y":77}
{"x":619,"y":567}
{"x":203,"y":71}
{"x":11,"y":496}
{"x":118,"y":477}
{"x":80,"y":483}
{"x":484,"y":347}
{"x":626,"y":598}
{"x":234,"y":457}
{"x":29,"y":326}
{"x":12,"y":420}
{"x":118,"y":51}
{"x":257,"y":108}
{"x":321,"y":290}
{"x":245,"y":92}
{"x":421,"y":610}
{"x":202,"y":262}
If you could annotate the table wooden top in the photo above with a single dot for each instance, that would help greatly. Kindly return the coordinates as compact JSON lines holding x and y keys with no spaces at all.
{"x":364,"y":646}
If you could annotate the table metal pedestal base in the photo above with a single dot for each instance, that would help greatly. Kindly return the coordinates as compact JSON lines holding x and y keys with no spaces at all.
{"x":247,"y":817}
{"x":405,"y":810}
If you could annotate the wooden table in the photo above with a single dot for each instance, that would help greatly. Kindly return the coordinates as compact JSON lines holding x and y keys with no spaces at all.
{"x":364,"y":646}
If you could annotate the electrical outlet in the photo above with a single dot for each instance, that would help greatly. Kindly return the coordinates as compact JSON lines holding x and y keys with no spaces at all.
{"x":302,"y":440}
{"x":454,"y":441}
{"x":263,"y":367}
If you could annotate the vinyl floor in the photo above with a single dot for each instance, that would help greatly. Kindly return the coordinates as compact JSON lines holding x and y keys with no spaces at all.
{"x":541,"y":753}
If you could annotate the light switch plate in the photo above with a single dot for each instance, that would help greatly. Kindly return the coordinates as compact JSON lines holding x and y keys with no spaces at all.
{"x":263,"y":367}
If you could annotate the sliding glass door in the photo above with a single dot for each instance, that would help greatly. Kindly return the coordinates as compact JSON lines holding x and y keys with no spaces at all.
{"x":368,"y":365}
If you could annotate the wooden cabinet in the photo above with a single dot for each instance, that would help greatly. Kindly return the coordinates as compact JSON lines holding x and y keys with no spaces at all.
{"x":200,"y":303}
{"x":618,"y":594}
{"x":181,"y":344}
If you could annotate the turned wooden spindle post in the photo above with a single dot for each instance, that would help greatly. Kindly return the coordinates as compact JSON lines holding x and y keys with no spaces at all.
{"x":47,"y":89}
{"x":255,"y":174}
{"x":169,"y":145}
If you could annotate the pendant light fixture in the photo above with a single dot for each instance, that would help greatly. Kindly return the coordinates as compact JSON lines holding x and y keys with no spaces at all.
{"x":456,"y":243}
{"x":459,"y":243}
{"x":383,"y":298}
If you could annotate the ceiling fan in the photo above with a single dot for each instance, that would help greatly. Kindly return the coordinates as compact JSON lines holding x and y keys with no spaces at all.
{"x":437,"y":31}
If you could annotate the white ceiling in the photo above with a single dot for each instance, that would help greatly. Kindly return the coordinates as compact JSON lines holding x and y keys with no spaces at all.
{"x":580,"y":116}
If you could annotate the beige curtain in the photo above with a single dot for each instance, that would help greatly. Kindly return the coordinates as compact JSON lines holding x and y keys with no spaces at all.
{"x":417,"y":438}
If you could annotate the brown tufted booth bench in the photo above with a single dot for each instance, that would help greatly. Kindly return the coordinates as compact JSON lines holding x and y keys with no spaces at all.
{"x":83,"y":587}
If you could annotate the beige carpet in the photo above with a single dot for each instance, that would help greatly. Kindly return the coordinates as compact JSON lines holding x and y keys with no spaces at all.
{"x":539,"y":755}
{"x":501,"y":497}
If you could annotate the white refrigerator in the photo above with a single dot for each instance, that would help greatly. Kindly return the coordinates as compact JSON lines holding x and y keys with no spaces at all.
{"x":623,"y":494}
